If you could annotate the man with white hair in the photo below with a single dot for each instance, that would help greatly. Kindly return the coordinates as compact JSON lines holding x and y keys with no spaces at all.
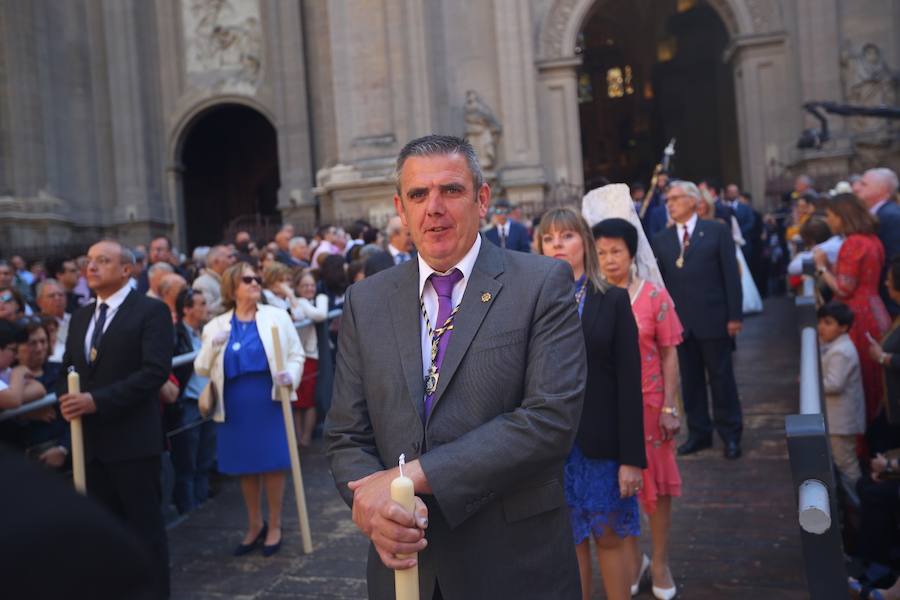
{"x":155,"y":275}
{"x":299,"y":249}
{"x":51,"y":300}
{"x":878,"y":191}
{"x":698,"y":263}
{"x":399,"y":241}
{"x":209,"y":283}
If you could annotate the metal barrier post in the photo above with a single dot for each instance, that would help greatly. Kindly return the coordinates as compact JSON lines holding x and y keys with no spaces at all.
{"x":823,"y":558}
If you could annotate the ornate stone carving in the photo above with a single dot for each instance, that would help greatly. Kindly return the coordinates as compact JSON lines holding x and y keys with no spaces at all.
{"x":868,"y":81}
{"x":482,"y":130}
{"x":554,"y":30}
{"x":223,"y":44}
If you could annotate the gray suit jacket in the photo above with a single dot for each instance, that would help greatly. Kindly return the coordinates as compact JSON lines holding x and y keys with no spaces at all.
{"x":504,"y":417}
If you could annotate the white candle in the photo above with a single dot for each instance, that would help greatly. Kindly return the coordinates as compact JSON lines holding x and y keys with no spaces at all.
{"x":406,"y":581}
{"x":78,"y":473}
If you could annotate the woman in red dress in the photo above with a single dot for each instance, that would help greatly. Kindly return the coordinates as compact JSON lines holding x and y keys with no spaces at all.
{"x":659,"y":333}
{"x":854,"y":279}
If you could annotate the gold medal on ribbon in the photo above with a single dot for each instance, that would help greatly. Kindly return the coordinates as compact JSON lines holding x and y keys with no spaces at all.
{"x":93,"y":354}
{"x":679,"y":262}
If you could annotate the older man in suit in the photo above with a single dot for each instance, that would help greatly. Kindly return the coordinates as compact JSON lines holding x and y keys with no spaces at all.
{"x":121,"y":346}
{"x":698,"y":263}
{"x":470,"y":361}
{"x":878,"y":191}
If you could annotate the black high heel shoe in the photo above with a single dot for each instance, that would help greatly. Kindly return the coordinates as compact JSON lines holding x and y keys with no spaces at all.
{"x":243,"y":549}
{"x":270,"y":550}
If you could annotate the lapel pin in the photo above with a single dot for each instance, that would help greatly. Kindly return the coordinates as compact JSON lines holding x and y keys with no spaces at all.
{"x":486,"y":297}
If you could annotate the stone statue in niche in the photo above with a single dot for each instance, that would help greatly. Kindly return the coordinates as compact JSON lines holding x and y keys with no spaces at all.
{"x":482,"y":130}
{"x":223,"y":41}
{"x":868,"y":81}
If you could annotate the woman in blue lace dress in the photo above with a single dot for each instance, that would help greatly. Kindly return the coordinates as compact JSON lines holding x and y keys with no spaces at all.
{"x":604,"y":469}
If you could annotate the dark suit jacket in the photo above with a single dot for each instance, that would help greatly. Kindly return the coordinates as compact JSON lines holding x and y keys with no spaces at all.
{"x":889,"y":234}
{"x":503,"y":421}
{"x":891,"y":345}
{"x":518,"y":237}
{"x":612,"y":423}
{"x":133,"y":362}
{"x":707,"y":289}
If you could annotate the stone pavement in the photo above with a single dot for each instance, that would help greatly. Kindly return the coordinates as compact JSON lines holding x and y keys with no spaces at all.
{"x":734,"y":533}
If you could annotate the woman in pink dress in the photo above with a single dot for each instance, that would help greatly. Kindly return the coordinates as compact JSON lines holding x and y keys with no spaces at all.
{"x":659,"y":332}
{"x":855,"y":278}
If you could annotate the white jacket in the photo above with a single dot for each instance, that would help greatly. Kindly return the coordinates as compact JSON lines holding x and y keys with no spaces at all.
{"x":318,"y":312}
{"x":845,"y":402}
{"x":210,"y":360}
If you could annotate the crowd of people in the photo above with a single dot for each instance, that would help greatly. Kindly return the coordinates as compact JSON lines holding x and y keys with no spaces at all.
{"x":637,"y":302}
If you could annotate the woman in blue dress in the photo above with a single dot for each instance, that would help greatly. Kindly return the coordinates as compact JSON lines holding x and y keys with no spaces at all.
{"x":237,"y":354}
{"x":604,"y":469}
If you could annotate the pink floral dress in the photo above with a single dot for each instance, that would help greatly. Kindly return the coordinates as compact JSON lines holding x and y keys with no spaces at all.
{"x":658,"y":327}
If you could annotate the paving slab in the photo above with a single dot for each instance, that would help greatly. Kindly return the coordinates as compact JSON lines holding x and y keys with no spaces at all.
{"x":734,"y":531}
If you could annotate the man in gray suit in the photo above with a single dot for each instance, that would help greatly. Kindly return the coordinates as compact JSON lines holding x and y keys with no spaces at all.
{"x":470,"y":361}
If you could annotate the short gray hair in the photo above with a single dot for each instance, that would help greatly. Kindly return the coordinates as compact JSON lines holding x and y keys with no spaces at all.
{"x":689,"y":188}
{"x":887,"y":177}
{"x":39,"y":290}
{"x":394,"y":226}
{"x":296,"y":241}
{"x":200,"y":254}
{"x":160,"y":266}
{"x":440,"y":145}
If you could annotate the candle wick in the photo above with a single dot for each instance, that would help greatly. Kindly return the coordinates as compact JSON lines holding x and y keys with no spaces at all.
{"x":402,"y":462}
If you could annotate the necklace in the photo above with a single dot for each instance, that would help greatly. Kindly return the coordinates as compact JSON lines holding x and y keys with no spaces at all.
{"x":579,"y":295}
{"x":431,"y":379}
{"x":241,"y":328}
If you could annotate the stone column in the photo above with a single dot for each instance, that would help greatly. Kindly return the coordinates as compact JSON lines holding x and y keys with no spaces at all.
{"x":560,"y":130}
{"x":766,"y":95}
{"x":295,"y":198}
{"x":521,"y":173}
{"x":129,"y":104}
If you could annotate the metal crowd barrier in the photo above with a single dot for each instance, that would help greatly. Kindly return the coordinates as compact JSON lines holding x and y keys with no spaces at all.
{"x":812,"y":468}
{"x":181,"y":359}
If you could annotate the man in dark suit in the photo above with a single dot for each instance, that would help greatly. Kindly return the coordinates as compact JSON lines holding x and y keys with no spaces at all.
{"x":121,"y":346}
{"x":698,"y":263}
{"x":878,"y":191}
{"x":506,"y":232}
{"x":485,"y":422}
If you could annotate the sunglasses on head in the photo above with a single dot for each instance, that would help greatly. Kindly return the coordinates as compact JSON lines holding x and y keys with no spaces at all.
{"x":248,"y":279}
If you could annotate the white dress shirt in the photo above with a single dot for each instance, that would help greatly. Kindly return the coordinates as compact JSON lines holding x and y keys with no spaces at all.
{"x":874,"y":210}
{"x":113,"y":303}
{"x":503,"y":231}
{"x":690,"y":224}
{"x":429,"y":296}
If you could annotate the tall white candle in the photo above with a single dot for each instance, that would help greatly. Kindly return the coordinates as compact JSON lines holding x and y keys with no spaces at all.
{"x":406,"y":581}
{"x":77,"y":434}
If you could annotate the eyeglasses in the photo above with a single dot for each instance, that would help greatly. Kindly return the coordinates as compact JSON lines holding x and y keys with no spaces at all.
{"x":248,"y":279}
{"x":6,"y":297}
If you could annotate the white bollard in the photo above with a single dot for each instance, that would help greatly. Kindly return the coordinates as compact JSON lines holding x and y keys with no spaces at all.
{"x":815,"y":510}
{"x":810,"y":397}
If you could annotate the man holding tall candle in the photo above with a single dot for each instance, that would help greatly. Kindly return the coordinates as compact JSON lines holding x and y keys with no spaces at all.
{"x":470,"y":361}
{"x":121,"y":347}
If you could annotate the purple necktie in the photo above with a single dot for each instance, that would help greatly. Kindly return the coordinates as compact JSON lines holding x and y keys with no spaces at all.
{"x":443,"y":286}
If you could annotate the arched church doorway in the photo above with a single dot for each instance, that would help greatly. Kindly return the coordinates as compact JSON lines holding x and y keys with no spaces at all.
{"x":652,"y":70}
{"x":229,"y":156}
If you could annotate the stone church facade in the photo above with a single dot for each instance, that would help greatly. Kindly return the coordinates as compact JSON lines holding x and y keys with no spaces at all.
{"x":98,"y":98}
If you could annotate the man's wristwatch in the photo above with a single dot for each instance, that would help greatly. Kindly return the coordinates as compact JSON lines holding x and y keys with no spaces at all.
{"x":670,"y":410}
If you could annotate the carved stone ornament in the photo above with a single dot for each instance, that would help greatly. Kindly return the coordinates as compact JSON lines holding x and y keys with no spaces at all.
{"x":868,"y":81}
{"x":223,"y":44}
{"x":482,"y":130}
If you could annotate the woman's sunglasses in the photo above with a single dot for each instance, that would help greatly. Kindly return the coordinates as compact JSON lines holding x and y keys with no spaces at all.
{"x":248,"y":279}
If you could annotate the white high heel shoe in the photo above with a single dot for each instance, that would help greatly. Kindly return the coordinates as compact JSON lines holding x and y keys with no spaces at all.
{"x":636,"y":586}
{"x":664,"y":593}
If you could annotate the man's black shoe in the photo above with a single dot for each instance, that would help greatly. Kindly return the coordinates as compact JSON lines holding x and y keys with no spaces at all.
{"x":732,"y":450}
{"x":694,"y":444}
